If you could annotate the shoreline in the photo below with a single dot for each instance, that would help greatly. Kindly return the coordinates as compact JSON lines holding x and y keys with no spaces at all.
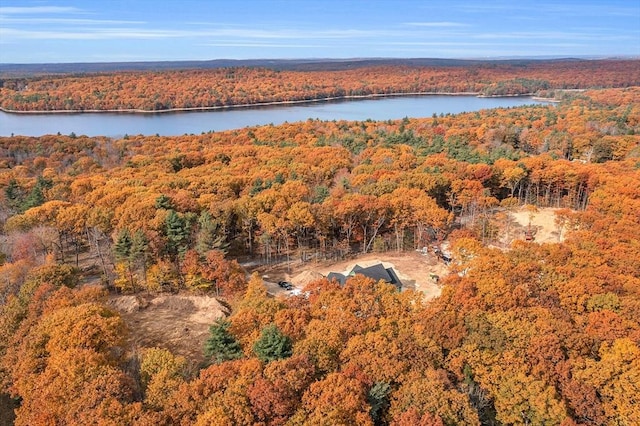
{"x":541,"y":99}
{"x":263,"y":104}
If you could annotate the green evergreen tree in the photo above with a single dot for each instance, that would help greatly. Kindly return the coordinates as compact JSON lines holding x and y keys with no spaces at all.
{"x":14,"y":194}
{"x":122,"y":252}
{"x":221,"y":345}
{"x":139,"y":245}
{"x":378,"y":399}
{"x":177,"y":233}
{"x":209,"y":236}
{"x":321,"y":192}
{"x":140,"y":250}
{"x":164,"y":202}
{"x":122,"y":248}
{"x":34,"y":199}
{"x":272,"y":344}
{"x":36,"y":196}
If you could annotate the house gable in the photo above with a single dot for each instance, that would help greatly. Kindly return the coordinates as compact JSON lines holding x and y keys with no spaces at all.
{"x":375,"y":272}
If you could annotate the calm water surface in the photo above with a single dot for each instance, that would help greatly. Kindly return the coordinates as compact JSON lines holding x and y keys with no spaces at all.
{"x":179,"y":123}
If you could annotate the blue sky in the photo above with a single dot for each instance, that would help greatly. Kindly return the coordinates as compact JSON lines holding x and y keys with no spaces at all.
{"x":41,"y":31}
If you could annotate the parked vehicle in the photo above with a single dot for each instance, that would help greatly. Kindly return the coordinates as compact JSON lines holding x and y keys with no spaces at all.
{"x":286,"y":285}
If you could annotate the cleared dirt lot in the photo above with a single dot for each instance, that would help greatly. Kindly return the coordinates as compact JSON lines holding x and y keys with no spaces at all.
{"x":413,"y":268}
{"x":543,"y":223}
{"x":179,"y":323}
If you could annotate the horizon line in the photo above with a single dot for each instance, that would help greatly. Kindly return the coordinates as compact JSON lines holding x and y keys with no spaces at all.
{"x":338,"y":59}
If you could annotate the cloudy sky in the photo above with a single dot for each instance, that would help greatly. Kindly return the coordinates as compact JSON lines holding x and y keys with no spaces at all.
{"x":41,"y":31}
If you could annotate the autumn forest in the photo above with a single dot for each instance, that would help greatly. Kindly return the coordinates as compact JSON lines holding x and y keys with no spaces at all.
{"x":522,"y":333}
{"x":226,"y":87}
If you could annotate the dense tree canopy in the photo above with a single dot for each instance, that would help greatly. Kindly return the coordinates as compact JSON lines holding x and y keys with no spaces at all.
{"x":225,"y":87}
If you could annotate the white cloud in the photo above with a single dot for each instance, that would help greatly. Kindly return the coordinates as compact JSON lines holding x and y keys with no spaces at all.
{"x":37,"y":10}
{"x":250,"y":44}
{"x":66,"y":21}
{"x":98,"y":33}
{"x":549,"y":8}
{"x":436,"y":24}
{"x":430,"y":43}
{"x":548,"y":35}
{"x":93,"y":34}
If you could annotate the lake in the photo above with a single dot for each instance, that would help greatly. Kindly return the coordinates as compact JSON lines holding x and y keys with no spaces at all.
{"x":196,"y":122}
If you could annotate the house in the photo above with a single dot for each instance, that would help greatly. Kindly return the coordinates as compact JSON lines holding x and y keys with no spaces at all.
{"x":375,"y":272}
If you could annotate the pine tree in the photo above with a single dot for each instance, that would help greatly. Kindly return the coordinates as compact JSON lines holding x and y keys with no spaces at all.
{"x":122,"y":248}
{"x":209,"y":235}
{"x":139,"y":245}
{"x":14,"y":194}
{"x":123,"y":254}
{"x":177,"y":233}
{"x":140,"y":251}
{"x":36,"y":196}
{"x":221,"y":345}
{"x":272,"y":344}
{"x":378,"y":399}
{"x":164,"y":202}
{"x":34,"y":199}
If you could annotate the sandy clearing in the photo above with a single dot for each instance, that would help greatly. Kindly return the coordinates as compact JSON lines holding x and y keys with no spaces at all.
{"x":413,"y":269}
{"x":179,"y":323}
{"x":542,"y":221}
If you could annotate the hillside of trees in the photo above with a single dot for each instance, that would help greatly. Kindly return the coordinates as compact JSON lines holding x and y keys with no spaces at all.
{"x":527,"y":334}
{"x":232,"y":86}
{"x":294,"y":64}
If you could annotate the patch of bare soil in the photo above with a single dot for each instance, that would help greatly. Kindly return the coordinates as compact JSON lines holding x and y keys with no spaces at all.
{"x":543,"y":225}
{"x":179,"y":323}
{"x":306,"y":277}
{"x":415,"y":270}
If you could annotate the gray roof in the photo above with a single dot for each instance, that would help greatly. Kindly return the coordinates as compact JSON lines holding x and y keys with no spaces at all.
{"x":375,"y":272}
{"x":337,"y":277}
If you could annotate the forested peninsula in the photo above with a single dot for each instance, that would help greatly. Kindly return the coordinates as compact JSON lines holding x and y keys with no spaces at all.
{"x":169,"y":90}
